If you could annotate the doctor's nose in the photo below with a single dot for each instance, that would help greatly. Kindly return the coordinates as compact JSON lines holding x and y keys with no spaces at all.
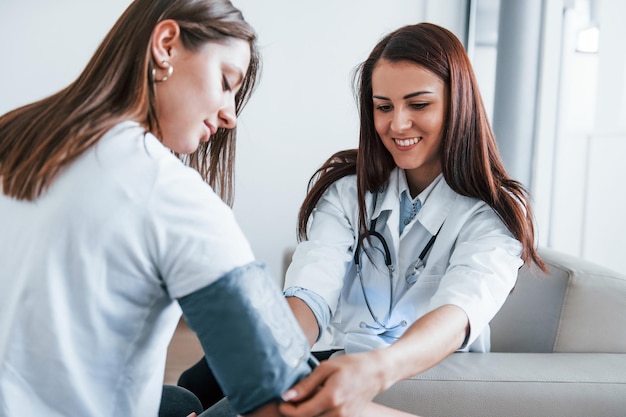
{"x":401,"y":121}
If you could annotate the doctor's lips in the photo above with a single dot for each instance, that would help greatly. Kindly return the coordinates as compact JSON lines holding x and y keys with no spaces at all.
{"x":407,"y":142}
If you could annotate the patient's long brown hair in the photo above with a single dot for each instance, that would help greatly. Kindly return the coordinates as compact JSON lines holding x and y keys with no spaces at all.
{"x":39,"y":139}
{"x":470,"y":160}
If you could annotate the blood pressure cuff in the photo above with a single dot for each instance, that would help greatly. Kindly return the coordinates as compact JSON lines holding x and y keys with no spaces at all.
{"x":252,"y":341}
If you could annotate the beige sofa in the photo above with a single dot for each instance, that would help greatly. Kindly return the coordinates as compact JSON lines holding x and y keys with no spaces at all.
{"x":558,"y":350}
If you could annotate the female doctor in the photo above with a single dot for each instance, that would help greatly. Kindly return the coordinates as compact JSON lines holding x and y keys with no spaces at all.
{"x":411,"y":243}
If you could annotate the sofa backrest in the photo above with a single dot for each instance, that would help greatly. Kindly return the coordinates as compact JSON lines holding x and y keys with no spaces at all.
{"x":577,"y":307}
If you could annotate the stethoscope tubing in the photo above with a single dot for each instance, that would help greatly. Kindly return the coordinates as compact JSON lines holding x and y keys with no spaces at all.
{"x":411,"y":278}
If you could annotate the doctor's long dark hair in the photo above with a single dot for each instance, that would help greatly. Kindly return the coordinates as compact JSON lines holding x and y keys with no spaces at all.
{"x":470,"y":160}
{"x":39,"y":139}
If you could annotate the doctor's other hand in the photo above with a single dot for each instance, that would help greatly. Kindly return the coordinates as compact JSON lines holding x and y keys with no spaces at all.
{"x":330,"y":390}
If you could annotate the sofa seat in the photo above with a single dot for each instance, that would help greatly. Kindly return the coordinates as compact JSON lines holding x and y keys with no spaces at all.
{"x":516,"y":385}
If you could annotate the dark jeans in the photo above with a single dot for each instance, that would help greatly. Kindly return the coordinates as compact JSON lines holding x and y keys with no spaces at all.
{"x":178,"y":402}
{"x":199,"y":380}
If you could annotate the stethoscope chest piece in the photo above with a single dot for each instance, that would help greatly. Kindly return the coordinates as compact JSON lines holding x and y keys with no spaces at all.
{"x":412,"y":274}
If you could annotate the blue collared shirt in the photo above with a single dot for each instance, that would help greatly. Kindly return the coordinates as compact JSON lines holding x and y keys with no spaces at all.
{"x":408,"y":209}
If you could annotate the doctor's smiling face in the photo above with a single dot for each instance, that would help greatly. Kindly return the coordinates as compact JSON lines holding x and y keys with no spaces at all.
{"x":409,"y":111}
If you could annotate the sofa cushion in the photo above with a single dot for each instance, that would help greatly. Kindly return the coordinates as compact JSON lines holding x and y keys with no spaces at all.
{"x":529,"y":319}
{"x":515,"y":385}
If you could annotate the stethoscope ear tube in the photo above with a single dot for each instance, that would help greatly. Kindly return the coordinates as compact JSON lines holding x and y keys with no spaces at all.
{"x":383,"y":242}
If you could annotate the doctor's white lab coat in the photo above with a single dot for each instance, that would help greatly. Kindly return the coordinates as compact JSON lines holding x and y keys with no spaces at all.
{"x":472,"y":264}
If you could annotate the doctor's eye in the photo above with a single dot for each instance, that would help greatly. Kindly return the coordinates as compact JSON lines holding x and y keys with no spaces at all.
{"x":418,"y":106}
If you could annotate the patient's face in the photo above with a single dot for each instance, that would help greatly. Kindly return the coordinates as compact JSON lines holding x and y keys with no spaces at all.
{"x":199,"y":96}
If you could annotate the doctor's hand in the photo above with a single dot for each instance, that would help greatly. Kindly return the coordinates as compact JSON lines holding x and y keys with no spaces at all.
{"x":330,"y":390}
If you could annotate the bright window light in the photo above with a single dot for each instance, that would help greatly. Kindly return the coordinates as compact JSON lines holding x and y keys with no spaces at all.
{"x":588,"y":40}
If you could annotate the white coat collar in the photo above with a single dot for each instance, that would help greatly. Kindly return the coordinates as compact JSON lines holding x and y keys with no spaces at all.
{"x":439,"y":204}
{"x":437,"y":201}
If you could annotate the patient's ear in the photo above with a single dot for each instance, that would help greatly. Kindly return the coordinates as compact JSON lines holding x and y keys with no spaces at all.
{"x":164,"y":42}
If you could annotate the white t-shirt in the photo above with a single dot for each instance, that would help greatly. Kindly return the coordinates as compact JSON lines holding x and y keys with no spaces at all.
{"x":89,"y":275}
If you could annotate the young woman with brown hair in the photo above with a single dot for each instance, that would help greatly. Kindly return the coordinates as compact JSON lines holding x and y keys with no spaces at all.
{"x":107,"y":234}
{"x":411,"y":243}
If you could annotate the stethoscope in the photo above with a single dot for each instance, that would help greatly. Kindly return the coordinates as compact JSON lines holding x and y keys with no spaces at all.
{"x":411,"y":276}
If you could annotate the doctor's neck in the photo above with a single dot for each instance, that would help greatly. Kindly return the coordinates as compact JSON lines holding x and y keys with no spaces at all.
{"x":419,"y":179}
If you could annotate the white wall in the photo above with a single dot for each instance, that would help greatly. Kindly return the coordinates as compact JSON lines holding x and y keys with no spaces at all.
{"x":302,"y":112}
{"x":46,"y":44}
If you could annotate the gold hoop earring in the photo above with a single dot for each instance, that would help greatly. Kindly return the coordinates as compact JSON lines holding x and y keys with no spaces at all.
{"x":170,"y":70}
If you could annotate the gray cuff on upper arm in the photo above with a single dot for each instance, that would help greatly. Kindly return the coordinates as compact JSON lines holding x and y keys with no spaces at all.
{"x":253,"y":343}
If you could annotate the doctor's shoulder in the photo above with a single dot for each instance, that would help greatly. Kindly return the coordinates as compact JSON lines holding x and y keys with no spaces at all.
{"x":464,"y":208}
{"x":344,"y":192}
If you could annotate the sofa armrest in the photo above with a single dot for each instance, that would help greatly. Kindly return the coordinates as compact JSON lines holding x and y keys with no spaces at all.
{"x":593,"y":317}
{"x":515,"y":385}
